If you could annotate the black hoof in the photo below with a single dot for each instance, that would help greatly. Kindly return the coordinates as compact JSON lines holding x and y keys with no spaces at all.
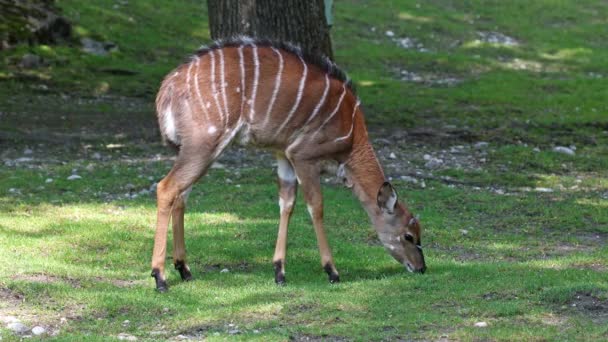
{"x":184,"y":272}
{"x":333,"y":276}
{"x":161,"y":284}
{"x":279,"y":276}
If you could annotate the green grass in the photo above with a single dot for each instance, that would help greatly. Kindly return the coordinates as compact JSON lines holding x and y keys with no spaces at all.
{"x":517,"y":258}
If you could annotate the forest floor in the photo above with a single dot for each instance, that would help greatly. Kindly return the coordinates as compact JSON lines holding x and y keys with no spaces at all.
{"x":489,"y":117}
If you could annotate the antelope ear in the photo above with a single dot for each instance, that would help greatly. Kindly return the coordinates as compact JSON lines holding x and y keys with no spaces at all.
{"x":387,"y":198}
{"x":343,"y":177}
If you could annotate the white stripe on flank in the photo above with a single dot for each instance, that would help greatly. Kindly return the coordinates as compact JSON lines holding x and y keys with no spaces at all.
{"x":352,"y":124}
{"x":321,"y":102}
{"x":198,"y":91}
{"x":334,"y":112}
{"x":256,"y":75}
{"x":242,"y":67}
{"x":298,"y":97}
{"x":213,"y":87}
{"x":223,"y":84}
{"x":277,"y":85}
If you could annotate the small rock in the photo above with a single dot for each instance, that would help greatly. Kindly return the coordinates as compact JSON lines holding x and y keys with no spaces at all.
{"x":74,"y":177}
{"x":564,"y":150}
{"x":389,"y":33}
{"x":24,"y":160}
{"x":256,"y":331}
{"x":433,"y":163}
{"x":499,"y":191}
{"x":38,"y":330}
{"x":217,"y":165}
{"x":126,"y":322}
{"x":422,"y":184}
{"x":90,"y":167}
{"x":392,"y":156}
{"x":182,"y":337}
{"x":30,"y":61}
{"x":464,"y":232}
{"x":18,"y":327}
{"x":234,"y":331}
{"x":536,"y":149}
{"x":480,"y":145}
{"x":409,"y":179}
{"x":96,"y":155}
{"x":543,"y":189}
{"x":28,"y":151}
{"x":481,"y":324}
{"x":427,"y":157}
{"x":126,"y":337}
{"x":48,"y":180}
{"x":225,"y":270}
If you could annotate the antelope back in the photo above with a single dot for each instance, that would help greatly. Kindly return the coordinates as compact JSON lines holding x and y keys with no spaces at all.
{"x":273,"y":90}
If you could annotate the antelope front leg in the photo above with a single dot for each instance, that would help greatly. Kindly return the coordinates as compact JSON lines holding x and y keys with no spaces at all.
{"x":179,"y":246}
{"x":287,"y":197}
{"x":309,"y":177}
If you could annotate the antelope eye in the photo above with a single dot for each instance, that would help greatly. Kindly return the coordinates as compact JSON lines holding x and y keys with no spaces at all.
{"x":409,"y":237}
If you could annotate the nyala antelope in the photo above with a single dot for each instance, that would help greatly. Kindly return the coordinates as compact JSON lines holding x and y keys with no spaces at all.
{"x":301,"y":107}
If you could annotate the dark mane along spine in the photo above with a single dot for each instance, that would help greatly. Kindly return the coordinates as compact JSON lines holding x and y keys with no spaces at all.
{"x":320,"y":61}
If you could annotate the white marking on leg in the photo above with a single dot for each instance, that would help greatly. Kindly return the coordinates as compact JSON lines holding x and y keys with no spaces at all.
{"x":334,"y":112}
{"x":169,"y":125}
{"x":214,"y":87}
{"x":211,"y":129}
{"x":242,"y":68}
{"x":223,"y":85}
{"x":256,"y":75}
{"x":352,"y":123}
{"x":281,"y":204}
{"x":311,"y":211}
{"x":285,"y":170}
{"x":277,"y":85}
{"x":298,"y":97}
{"x":321,"y":102}
{"x":198,"y":91}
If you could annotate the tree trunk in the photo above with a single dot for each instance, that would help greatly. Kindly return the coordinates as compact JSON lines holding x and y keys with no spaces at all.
{"x":301,"y":22}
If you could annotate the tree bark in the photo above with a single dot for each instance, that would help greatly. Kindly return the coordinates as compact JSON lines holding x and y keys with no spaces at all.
{"x":301,"y":22}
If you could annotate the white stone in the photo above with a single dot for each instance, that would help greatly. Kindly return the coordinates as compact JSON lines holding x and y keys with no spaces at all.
{"x":126,"y":337}
{"x":48,"y":180}
{"x":543,"y":189}
{"x":225,"y":270}
{"x":427,"y":157}
{"x":481,"y":324}
{"x":433,"y":163}
{"x":464,"y":232}
{"x":564,"y":150}
{"x":481,"y":144}
{"x":389,"y":33}
{"x":27,"y":151}
{"x":392,"y":156}
{"x":96,"y":155}
{"x":74,"y":177}
{"x":38,"y":330}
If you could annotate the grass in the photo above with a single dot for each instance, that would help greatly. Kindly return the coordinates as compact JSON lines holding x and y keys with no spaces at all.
{"x":500,"y":249}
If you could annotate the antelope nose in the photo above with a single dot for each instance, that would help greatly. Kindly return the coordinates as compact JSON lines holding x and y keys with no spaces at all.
{"x":421,"y":270}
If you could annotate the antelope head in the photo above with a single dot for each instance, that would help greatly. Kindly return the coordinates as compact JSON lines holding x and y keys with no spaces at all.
{"x":399,"y":230}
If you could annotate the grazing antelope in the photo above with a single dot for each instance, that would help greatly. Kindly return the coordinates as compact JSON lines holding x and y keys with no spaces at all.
{"x":304,"y":109}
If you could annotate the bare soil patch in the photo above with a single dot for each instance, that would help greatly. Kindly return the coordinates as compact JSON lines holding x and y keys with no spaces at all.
{"x":591,"y":306}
